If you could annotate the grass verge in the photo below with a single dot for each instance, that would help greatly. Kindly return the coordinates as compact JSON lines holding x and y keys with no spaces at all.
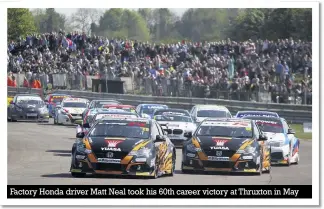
{"x":298,"y":128}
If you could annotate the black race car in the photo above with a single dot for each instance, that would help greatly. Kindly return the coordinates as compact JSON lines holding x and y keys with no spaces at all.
{"x":230,"y":145}
{"x":133,"y":146}
{"x":27,"y":107}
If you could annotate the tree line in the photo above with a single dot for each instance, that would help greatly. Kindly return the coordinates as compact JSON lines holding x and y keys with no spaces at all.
{"x":163,"y":25}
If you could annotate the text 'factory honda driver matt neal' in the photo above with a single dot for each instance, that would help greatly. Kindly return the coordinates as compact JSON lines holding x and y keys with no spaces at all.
{"x":230,"y":145}
{"x":123,"y":147}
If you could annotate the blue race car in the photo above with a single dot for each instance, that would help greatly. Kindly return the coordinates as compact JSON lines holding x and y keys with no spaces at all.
{"x":147,"y":110}
{"x":241,"y":114}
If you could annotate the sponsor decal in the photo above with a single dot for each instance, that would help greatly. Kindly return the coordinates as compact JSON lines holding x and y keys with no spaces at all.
{"x":219,"y":142}
{"x":219,"y":148}
{"x":109,"y":154}
{"x":247,"y":157}
{"x":191,"y":155}
{"x":214,"y":158}
{"x":108,"y":160}
{"x":112,"y":145}
{"x":219,"y":153}
{"x":140,"y":160}
{"x":80,"y":157}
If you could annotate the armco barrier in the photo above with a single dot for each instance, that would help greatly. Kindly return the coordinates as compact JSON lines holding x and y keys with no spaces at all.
{"x":292,"y":113}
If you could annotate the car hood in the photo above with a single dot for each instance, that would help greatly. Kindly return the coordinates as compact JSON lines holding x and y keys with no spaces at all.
{"x":74,"y":110}
{"x":178,"y":125}
{"x":207,"y":143}
{"x":276,"y":137}
{"x":125,"y":144}
{"x":199,"y":119}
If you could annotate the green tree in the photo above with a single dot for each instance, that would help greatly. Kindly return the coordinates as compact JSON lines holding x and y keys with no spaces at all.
{"x":49,"y":20}
{"x":20,"y":23}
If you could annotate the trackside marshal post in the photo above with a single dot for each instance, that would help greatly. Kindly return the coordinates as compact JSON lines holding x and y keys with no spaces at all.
{"x":159,"y":191}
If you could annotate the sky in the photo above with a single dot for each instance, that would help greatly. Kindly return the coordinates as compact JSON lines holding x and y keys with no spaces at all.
{"x":68,"y":12}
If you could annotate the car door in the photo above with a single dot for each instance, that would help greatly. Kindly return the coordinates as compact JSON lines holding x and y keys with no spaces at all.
{"x":162,"y":149}
{"x":291,"y":137}
{"x":264,"y":146}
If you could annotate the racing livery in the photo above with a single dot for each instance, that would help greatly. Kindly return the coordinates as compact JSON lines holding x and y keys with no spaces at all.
{"x":229,"y":145}
{"x":147,"y":110}
{"x":70,"y":111}
{"x":201,"y":112}
{"x":282,"y":141}
{"x":123,"y":147}
{"x":176,"y":122}
{"x":104,"y":113}
{"x":128,"y":108}
{"x":27,"y":107}
{"x":52,"y":100}
{"x":241,"y":114}
{"x":98,"y":104}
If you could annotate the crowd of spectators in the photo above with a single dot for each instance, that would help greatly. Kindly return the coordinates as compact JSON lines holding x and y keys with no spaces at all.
{"x":202,"y":69}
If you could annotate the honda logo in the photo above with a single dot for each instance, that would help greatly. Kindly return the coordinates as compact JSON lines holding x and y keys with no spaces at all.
{"x":219,"y":153}
{"x":220,"y":142}
{"x":110,"y":154}
{"x":113,"y":143}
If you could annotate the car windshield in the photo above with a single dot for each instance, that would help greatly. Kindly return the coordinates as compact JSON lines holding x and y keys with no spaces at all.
{"x":225,"y":130}
{"x":211,"y":113}
{"x":123,"y":129}
{"x":270,"y":126}
{"x":175,"y":118}
{"x":102,"y":103}
{"x":150,"y":109}
{"x":75,"y":104}
{"x":112,"y":115}
{"x":30,"y":101}
{"x":127,"y":109}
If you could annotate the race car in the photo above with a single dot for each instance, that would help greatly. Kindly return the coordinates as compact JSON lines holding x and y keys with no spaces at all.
{"x":201,"y":112}
{"x":226,"y":145}
{"x":241,"y":114}
{"x":147,"y":110}
{"x":27,"y":107}
{"x":70,"y":111}
{"x":283,"y":144}
{"x":133,"y":146}
{"x":128,"y":108}
{"x":52,"y":100}
{"x":98,"y":104}
{"x":101,"y":113}
{"x":175,"y":122}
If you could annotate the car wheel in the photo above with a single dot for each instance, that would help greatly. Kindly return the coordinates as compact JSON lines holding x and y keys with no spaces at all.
{"x":261,"y":165}
{"x":173,"y":164}
{"x":184,"y":170}
{"x":155,"y":176}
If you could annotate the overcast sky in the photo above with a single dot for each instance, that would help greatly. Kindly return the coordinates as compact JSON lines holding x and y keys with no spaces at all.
{"x":68,"y":12}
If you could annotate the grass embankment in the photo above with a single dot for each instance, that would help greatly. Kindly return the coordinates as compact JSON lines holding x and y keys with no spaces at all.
{"x":298,"y":128}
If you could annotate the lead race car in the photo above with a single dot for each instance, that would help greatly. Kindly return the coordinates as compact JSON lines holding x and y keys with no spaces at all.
{"x":175,"y":122}
{"x":282,"y":141}
{"x":133,"y":146}
{"x":70,"y":111}
{"x":226,"y":145}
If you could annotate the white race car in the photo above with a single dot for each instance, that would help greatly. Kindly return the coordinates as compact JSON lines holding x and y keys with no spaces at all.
{"x":201,"y":112}
{"x":70,"y":111}
{"x":283,"y":144}
{"x":176,"y":122}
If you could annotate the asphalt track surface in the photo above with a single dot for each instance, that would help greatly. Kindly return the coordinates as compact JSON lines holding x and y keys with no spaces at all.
{"x":40,"y":154}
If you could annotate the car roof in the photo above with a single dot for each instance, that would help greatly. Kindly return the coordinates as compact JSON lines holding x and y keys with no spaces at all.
{"x":172,"y":110}
{"x":227,"y":120}
{"x":36,"y":95}
{"x":74,"y":99}
{"x":216,"y":107}
{"x":256,"y":112}
{"x":112,"y":111}
{"x":117,"y":105}
{"x":105,"y":100}
{"x":143,"y":105}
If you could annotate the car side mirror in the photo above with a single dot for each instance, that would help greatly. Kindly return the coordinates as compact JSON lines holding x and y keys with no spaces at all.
{"x":12,"y":102}
{"x":187,"y":134}
{"x":291,"y":131}
{"x":159,"y":138}
{"x":86,"y":125}
{"x":80,"y":135}
{"x":262,"y":138}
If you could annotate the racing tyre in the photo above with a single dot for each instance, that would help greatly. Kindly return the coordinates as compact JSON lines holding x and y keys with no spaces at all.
{"x":173,"y":164}
{"x":185,"y":170}
{"x":155,"y":176}
{"x":78,"y":175}
{"x":261,"y":165}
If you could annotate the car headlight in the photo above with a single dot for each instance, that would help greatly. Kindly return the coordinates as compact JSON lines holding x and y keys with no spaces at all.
{"x":82,"y":149}
{"x":143,"y":152}
{"x":249,"y":149}
{"x":192,"y":148}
